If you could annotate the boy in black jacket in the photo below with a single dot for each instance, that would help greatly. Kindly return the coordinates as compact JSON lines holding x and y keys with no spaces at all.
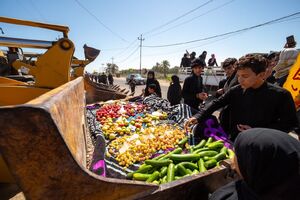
{"x":253,"y":103}
{"x":192,"y":91}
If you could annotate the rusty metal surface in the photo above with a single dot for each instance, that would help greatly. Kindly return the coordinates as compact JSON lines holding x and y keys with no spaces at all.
{"x":44,"y":160}
{"x":96,"y":92}
{"x":44,"y":146}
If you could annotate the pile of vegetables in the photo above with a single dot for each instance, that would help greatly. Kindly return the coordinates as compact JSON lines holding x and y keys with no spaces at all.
{"x":178,"y":163}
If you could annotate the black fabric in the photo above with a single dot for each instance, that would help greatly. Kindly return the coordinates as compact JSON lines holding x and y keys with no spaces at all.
{"x":174,"y":94}
{"x":152,"y":81}
{"x":224,"y":116}
{"x":190,"y":89}
{"x":231,"y":81}
{"x":268,"y":106}
{"x":269,"y":161}
{"x":212,"y":62}
{"x":185,"y":62}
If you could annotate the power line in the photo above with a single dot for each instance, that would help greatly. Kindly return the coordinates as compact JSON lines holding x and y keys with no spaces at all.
{"x":38,"y":11}
{"x":224,"y":34}
{"x":177,"y":18}
{"x":135,"y":50}
{"x":190,"y":20}
{"x":126,"y":48}
{"x":99,"y":21}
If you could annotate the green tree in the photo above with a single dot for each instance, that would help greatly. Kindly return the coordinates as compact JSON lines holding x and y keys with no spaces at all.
{"x":157,"y":67}
{"x":112,"y":68}
{"x":165,"y":67}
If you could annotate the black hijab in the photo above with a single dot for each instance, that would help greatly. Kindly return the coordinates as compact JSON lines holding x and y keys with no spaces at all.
{"x":152,"y":81}
{"x":269,"y":161}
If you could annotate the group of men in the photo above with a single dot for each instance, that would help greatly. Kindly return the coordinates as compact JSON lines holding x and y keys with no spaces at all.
{"x":246,"y":99}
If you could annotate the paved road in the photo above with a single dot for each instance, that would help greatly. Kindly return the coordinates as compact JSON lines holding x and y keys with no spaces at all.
{"x":138,"y":90}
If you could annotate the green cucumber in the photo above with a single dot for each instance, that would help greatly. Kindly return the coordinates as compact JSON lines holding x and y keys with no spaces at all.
{"x":142,"y":169}
{"x":210,"y":163}
{"x":184,"y":157}
{"x":171,"y":172}
{"x":182,"y":142}
{"x":158,"y":163}
{"x":201,"y":166}
{"x":154,"y":176}
{"x":209,"y":140}
{"x":175,"y":151}
{"x":209,"y":153}
{"x":182,"y":170}
{"x":163,"y":180}
{"x":215,"y":145}
{"x":140,"y":176}
{"x":200,"y":145}
{"x":224,"y":150}
{"x":202,"y":149}
{"x":189,"y":165}
{"x":220,"y":156}
{"x":189,"y":171}
{"x":163,"y":171}
{"x":231,"y":153}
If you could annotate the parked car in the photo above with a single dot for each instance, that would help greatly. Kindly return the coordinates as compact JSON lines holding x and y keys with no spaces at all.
{"x":138,"y":79}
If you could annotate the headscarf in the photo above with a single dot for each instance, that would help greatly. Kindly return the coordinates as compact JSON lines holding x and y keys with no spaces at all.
{"x":269,"y":161}
{"x":150,"y":80}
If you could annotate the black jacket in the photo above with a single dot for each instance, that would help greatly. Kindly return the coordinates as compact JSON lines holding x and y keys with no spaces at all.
{"x":174,"y":94}
{"x":268,"y":106}
{"x":153,"y":81}
{"x":190,"y":89}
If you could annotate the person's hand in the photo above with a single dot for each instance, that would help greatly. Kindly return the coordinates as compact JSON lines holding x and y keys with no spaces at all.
{"x":220,"y":91}
{"x":203,"y":96}
{"x":242,"y":127}
{"x":190,"y":122}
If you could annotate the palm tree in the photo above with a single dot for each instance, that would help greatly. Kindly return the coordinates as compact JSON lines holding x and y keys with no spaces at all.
{"x":165,"y":67}
{"x":112,"y":68}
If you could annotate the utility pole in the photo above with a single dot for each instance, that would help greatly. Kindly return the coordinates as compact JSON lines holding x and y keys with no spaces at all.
{"x":141,"y":39}
{"x":2,"y":31}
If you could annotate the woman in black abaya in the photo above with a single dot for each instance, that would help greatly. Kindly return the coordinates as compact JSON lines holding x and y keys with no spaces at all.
{"x":269,"y":163}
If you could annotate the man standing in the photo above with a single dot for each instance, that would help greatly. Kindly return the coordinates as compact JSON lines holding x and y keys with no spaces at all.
{"x":253,"y":103}
{"x":192,"y":91}
{"x":212,"y":61}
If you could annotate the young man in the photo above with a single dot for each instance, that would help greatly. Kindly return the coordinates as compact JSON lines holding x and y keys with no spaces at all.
{"x":229,"y":66}
{"x":253,"y":103}
{"x":192,"y":91}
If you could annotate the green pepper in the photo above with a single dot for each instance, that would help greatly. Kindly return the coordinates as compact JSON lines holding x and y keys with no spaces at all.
{"x":163,"y":171}
{"x":209,"y":153}
{"x":209,"y":140}
{"x":231,"y":153}
{"x":189,"y":165}
{"x":182,"y":170}
{"x":182,"y":142}
{"x":143,"y":169}
{"x":215,"y":145}
{"x":175,"y":151}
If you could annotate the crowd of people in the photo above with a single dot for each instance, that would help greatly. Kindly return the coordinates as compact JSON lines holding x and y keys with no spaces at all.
{"x":102,"y":78}
{"x":256,"y":112}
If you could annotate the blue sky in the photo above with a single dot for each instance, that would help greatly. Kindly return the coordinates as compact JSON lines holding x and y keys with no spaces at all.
{"x":127,"y":19}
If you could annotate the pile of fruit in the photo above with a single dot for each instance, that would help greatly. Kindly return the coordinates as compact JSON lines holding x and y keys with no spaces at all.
{"x":121,"y":118}
{"x":134,"y":133}
{"x":176,"y":164}
{"x":139,"y":147}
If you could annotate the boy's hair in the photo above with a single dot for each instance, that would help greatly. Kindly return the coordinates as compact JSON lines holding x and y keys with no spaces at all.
{"x":152,"y":86}
{"x":256,"y":63}
{"x":228,"y":61}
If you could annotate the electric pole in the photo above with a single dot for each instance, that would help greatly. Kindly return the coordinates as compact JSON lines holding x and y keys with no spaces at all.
{"x":141,"y":39}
